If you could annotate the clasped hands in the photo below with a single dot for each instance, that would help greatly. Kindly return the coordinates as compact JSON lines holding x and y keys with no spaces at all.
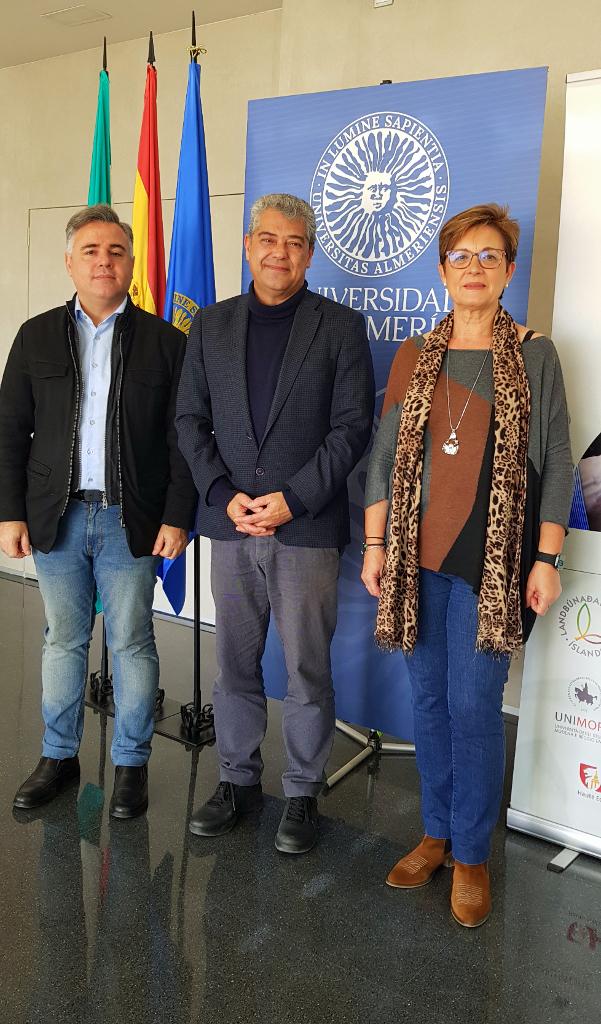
{"x":259,"y":517}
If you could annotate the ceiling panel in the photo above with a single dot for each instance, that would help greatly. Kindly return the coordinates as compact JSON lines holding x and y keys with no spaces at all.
{"x":27,"y":36}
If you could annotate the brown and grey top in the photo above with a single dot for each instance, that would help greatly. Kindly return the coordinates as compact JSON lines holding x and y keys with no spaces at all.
{"x":456,"y":489}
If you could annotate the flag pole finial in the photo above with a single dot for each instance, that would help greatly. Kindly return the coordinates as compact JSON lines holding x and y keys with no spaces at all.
{"x":104,"y":63}
{"x":151,"y":57}
{"x":194,"y":49}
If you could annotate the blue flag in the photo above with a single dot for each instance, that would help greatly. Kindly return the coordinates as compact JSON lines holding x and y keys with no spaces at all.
{"x":191,"y":278}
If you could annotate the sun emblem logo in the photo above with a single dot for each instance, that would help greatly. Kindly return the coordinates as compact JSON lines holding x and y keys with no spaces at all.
{"x":380,"y":192}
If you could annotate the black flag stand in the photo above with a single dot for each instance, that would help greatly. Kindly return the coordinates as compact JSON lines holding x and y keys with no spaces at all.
{"x":190,"y":724}
{"x":196,"y":718}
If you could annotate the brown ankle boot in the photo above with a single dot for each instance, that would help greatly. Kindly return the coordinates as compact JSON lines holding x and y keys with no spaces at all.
{"x":418,"y":866}
{"x":470,"y":894}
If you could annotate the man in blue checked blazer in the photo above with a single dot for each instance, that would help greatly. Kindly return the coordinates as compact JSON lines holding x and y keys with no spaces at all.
{"x":274,"y":411}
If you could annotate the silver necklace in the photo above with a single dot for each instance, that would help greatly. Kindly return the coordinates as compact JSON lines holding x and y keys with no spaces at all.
{"x":451,"y":445}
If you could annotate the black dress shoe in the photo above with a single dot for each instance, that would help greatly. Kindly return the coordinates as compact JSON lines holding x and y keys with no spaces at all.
{"x":221,"y":812}
{"x":46,"y":782}
{"x":298,"y":828}
{"x":130,"y":793}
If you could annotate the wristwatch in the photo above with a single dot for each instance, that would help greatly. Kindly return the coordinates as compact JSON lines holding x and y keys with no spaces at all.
{"x":554,"y":560}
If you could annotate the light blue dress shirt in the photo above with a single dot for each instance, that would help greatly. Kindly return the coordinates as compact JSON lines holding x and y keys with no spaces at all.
{"x":94,"y":347}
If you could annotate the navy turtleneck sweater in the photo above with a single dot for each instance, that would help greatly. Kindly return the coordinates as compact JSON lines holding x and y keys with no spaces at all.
{"x":268,"y":332}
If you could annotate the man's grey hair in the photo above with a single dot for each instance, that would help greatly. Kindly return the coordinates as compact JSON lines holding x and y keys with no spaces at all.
{"x":291,"y":206}
{"x":90,"y":214}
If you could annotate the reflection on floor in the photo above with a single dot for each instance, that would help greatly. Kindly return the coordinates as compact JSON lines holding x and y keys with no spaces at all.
{"x":141,"y":922}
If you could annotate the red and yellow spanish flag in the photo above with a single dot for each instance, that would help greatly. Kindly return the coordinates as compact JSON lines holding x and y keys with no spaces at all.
{"x":148,"y":283}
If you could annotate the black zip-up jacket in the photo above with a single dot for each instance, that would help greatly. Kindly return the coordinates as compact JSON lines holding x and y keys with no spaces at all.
{"x":39,"y":409}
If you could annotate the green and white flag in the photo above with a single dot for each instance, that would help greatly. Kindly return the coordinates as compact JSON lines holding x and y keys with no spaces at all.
{"x":100,"y":170}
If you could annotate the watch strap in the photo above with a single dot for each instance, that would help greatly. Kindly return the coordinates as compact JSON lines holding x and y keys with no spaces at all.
{"x":554,"y":560}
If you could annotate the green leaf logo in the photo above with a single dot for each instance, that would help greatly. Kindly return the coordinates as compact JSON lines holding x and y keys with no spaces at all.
{"x":583,"y":624}
{"x":584,"y":616}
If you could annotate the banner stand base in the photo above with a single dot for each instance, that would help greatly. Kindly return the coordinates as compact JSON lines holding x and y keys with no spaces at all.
{"x":572,"y":839}
{"x":371,"y":744}
{"x":562,"y":861}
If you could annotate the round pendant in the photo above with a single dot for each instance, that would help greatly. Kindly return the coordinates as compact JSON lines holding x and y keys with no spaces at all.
{"x":451,"y":445}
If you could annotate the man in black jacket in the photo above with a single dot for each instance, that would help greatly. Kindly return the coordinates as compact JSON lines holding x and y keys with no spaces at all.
{"x":274,"y":411}
{"x":93,"y":484}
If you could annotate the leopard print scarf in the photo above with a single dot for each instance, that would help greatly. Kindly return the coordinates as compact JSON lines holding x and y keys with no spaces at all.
{"x":499,"y":613}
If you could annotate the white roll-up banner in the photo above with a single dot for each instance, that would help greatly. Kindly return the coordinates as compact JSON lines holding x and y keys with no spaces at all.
{"x":557,"y":775}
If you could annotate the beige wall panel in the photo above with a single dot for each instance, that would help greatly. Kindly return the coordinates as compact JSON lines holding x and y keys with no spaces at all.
{"x":230,"y":76}
{"x":227,"y":216}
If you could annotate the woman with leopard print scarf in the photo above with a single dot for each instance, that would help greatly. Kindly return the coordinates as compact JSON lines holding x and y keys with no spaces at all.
{"x":467,"y":502}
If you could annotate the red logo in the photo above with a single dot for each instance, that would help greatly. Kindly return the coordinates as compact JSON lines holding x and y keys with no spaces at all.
{"x":584,"y":935}
{"x":589,"y":777}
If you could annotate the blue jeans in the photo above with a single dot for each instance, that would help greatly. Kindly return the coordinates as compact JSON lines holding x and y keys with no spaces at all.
{"x":91,"y":550}
{"x":457,"y":713}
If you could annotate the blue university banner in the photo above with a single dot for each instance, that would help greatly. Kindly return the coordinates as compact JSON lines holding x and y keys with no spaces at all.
{"x":383,"y":168}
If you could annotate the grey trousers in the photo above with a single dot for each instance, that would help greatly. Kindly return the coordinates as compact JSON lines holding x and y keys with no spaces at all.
{"x":251,"y":578}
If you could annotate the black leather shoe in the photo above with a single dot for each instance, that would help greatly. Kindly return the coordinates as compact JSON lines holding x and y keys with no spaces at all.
{"x":221,"y":812}
{"x":130,"y":794}
{"x":46,"y":781}
{"x":298,"y":828}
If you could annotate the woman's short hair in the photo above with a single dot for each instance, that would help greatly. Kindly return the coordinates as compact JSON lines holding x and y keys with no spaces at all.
{"x":489,"y":214}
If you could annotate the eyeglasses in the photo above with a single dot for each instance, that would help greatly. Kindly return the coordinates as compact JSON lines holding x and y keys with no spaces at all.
{"x":487,"y":258}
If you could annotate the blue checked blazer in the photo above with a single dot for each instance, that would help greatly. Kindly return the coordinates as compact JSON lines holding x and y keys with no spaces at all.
{"x":318,"y":427}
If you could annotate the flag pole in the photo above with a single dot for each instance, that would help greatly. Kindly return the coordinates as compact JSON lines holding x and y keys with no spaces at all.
{"x":101,"y":682}
{"x":105,"y":679}
{"x":196,"y":542}
{"x":192,"y":717}
{"x":191,"y":282}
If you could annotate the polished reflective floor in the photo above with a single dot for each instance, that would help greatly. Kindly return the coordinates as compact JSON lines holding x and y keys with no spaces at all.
{"x":141,"y":922}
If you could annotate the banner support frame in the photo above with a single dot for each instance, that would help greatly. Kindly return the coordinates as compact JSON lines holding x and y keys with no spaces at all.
{"x":553,"y":832}
{"x":372,"y":745}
